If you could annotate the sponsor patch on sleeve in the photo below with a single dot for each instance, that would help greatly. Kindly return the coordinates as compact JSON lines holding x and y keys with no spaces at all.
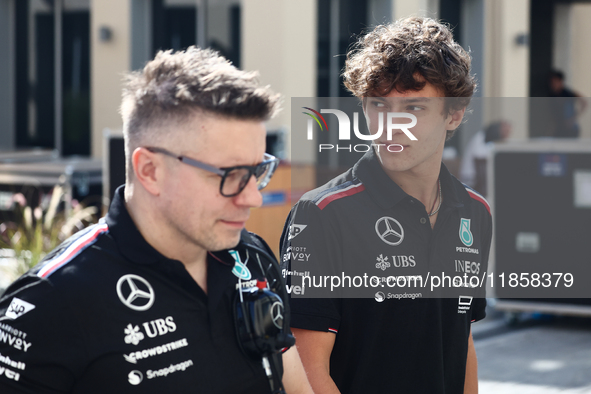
{"x":18,"y":308}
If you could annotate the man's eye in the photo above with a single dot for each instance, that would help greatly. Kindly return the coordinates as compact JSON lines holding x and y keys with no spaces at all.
{"x":377,"y":104}
{"x":414,"y":108}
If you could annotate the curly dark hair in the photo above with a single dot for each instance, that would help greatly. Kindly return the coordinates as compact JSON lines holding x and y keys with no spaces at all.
{"x":390,"y":56}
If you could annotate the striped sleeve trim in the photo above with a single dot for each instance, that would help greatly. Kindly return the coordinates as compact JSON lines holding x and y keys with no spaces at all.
{"x":64,"y":257}
{"x":478,"y":197}
{"x":346,"y":189}
{"x":333,"y":330}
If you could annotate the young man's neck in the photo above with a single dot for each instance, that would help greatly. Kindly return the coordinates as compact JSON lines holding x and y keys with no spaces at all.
{"x":421,"y":185}
{"x":420,"y":182}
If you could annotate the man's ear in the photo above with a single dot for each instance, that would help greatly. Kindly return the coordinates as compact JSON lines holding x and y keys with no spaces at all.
{"x":455,"y":119}
{"x":147,"y":170}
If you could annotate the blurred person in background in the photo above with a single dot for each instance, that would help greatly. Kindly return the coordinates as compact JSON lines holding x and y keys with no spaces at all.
{"x":567,"y":109}
{"x":473,"y":165}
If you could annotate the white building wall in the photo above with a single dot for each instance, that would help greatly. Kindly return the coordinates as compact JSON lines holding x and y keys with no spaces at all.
{"x":279,"y":41}
{"x":506,"y":63}
{"x":406,"y":8}
{"x":109,"y":60}
{"x":581,"y":61}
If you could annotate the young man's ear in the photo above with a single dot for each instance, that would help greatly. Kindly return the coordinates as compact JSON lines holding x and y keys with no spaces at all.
{"x":455,"y":119}
{"x":147,"y":169}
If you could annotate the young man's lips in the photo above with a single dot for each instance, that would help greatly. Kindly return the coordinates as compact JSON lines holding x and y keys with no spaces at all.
{"x":388,"y":143}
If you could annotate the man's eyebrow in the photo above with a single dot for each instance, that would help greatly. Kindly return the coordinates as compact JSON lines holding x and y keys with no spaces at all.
{"x":410,"y":100}
{"x":413,"y":100}
{"x":382,"y":99}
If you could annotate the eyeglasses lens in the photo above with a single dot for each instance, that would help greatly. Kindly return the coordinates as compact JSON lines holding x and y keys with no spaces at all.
{"x":237,"y":179}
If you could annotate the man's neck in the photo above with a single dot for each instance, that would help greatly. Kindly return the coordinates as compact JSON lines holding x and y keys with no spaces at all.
{"x":160,"y":237}
{"x":420,"y":182}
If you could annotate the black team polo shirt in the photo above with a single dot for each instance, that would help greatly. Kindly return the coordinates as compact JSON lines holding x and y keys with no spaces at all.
{"x":362,"y":223}
{"x":106,"y":313}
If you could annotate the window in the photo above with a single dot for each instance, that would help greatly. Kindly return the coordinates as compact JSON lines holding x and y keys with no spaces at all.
{"x":50,"y":36}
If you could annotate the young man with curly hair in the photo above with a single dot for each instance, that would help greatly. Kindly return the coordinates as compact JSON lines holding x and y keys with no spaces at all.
{"x":403,"y":209}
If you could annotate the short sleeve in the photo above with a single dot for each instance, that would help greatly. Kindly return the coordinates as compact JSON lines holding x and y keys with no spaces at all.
{"x":479,"y":309}
{"x":38,"y":340}
{"x":308,"y":251}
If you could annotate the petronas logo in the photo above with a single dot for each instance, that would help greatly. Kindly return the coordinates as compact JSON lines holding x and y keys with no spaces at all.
{"x":465,"y":233}
{"x":240,"y":270}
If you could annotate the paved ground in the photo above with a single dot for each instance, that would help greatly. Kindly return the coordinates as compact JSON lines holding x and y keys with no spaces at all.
{"x":546,"y":356}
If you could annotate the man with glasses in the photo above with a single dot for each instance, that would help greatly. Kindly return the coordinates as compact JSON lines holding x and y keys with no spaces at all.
{"x":155,"y":298}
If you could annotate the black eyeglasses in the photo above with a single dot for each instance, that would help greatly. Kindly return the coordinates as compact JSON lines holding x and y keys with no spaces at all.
{"x":234,"y":179}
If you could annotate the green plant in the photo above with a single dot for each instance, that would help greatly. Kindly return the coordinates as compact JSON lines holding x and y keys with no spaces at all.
{"x":35,"y":231}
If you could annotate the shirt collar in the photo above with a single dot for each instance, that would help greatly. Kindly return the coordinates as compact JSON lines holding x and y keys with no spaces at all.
{"x":454,"y":193}
{"x":386,"y":193}
{"x":132,"y":244}
{"x":130,"y":241}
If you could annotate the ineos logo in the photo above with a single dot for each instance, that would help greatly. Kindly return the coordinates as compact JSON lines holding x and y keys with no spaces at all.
{"x":390,"y":230}
{"x":277,"y":314}
{"x":135,"y":292}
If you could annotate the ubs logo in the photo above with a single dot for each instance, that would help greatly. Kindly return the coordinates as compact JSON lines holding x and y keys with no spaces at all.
{"x":154,"y":328}
{"x":390,"y":230}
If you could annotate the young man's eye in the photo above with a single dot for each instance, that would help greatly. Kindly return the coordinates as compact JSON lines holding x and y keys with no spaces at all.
{"x":378,"y":104}
{"x":414,"y":108}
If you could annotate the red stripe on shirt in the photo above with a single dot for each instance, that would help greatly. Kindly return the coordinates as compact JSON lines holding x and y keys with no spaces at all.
{"x":62,"y":260}
{"x":336,"y":196}
{"x":478,"y":197}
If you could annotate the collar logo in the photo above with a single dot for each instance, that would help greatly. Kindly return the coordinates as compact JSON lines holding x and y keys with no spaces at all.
{"x":277,"y":314}
{"x":465,"y":233}
{"x":135,"y":292}
{"x":240,"y":270}
{"x":390,"y":230}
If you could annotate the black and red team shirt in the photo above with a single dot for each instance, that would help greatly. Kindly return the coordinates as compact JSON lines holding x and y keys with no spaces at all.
{"x":362,"y":223}
{"x":106,"y":313}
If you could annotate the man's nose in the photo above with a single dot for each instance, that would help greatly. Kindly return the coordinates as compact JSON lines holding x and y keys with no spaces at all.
{"x":250,"y":196}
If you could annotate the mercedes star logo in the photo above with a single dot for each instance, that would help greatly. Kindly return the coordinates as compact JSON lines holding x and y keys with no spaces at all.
{"x":390,"y":230}
{"x":277,"y":314}
{"x":135,"y":292}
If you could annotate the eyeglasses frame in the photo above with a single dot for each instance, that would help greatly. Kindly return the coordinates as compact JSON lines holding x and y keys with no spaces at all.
{"x":223,"y":171}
